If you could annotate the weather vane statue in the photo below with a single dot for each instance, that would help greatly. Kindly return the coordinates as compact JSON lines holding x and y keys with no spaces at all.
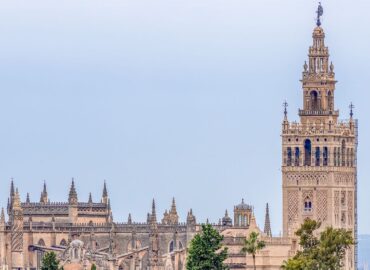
{"x":320,"y":12}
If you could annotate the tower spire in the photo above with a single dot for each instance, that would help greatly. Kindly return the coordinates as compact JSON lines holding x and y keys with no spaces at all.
{"x":173,"y":206}
{"x":90,"y":198}
{"x":12,"y":188}
{"x":104,"y":197}
{"x":72,"y":197}
{"x":153,"y":217}
{"x":267,"y":229}
{"x":44,"y":194}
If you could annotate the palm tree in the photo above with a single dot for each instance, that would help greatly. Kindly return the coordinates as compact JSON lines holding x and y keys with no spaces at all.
{"x":252,"y":245}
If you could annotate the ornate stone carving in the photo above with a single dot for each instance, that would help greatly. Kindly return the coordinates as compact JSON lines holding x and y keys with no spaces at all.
{"x":322,"y":205}
{"x":292,"y":205}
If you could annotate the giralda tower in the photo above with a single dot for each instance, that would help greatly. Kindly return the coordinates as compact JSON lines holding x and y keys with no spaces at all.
{"x":319,"y":153}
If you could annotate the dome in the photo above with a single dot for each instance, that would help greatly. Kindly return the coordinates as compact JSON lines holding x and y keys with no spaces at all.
{"x":243,"y":206}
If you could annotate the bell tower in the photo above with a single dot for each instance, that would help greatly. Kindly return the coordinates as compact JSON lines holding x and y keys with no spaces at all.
{"x":319,"y":153}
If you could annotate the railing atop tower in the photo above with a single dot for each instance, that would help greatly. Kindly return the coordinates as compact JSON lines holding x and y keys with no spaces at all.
{"x":340,"y":128}
{"x":318,"y":113}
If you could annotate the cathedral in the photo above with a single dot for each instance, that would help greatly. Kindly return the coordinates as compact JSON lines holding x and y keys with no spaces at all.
{"x":319,"y":181}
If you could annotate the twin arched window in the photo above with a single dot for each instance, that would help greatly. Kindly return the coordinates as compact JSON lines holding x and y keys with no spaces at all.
{"x":307,"y":204}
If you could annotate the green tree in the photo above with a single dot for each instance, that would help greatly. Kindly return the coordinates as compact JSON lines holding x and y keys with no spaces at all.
{"x":206,"y":251}
{"x":49,"y":261}
{"x":324,"y":253}
{"x":93,"y":267}
{"x":252,"y":245}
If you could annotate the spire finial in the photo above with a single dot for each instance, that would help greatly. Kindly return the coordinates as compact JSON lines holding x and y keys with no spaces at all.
{"x":351,"y":107}
{"x":319,"y":12}
{"x":129,"y":220}
{"x":90,"y":198}
{"x":28,"y":198}
{"x":285,"y":105}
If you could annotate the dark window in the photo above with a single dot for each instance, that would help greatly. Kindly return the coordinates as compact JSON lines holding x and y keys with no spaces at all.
{"x":314,"y":101}
{"x":343,"y":153}
{"x":330,"y":101}
{"x":307,"y":205}
{"x":307,"y":152}
{"x":289,"y":157}
{"x":172,"y":247}
{"x":63,"y":243}
{"x":296,"y":161}
{"x":325,"y":156}
{"x":317,"y":156}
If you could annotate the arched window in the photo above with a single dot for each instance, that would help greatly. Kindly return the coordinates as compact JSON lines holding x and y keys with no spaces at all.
{"x":338,"y":156}
{"x":330,"y":101}
{"x":171,"y":247}
{"x":307,"y":152}
{"x":41,"y":242}
{"x":325,"y":156}
{"x":307,"y":204}
{"x":296,"y":160}
{"x":343,"y":153}
{"x":348,"y":157}
{"x":314,"y":99}
{"x":289,"y":157}
{"x":317,"y":156}
{"x":63,"y":243}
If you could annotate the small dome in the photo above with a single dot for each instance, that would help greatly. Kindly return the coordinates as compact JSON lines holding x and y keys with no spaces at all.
{"x":243,"y":206}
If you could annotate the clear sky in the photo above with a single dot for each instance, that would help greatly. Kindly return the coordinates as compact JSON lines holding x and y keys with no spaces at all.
{"x":168,"y":98}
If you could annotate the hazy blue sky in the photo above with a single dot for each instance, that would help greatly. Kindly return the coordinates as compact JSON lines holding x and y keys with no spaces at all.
{"x":167,"y":98}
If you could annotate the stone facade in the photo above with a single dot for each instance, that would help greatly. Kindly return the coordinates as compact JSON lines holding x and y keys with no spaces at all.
{"x":319,"y":182}
{"x":319,"y":153}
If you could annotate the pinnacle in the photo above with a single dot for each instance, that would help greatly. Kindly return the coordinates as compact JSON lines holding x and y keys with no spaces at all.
{"x":72,"y":192}
{"x":2,"y":217}
{"x":12,"y":188}
{"x":105,"y":191}
{"x":267,"y":228}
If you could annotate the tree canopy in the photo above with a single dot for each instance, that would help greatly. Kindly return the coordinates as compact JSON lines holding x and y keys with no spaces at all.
{"x":325,"y":252}
{"x":49,"y":261}
{"x":206,"y":251}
